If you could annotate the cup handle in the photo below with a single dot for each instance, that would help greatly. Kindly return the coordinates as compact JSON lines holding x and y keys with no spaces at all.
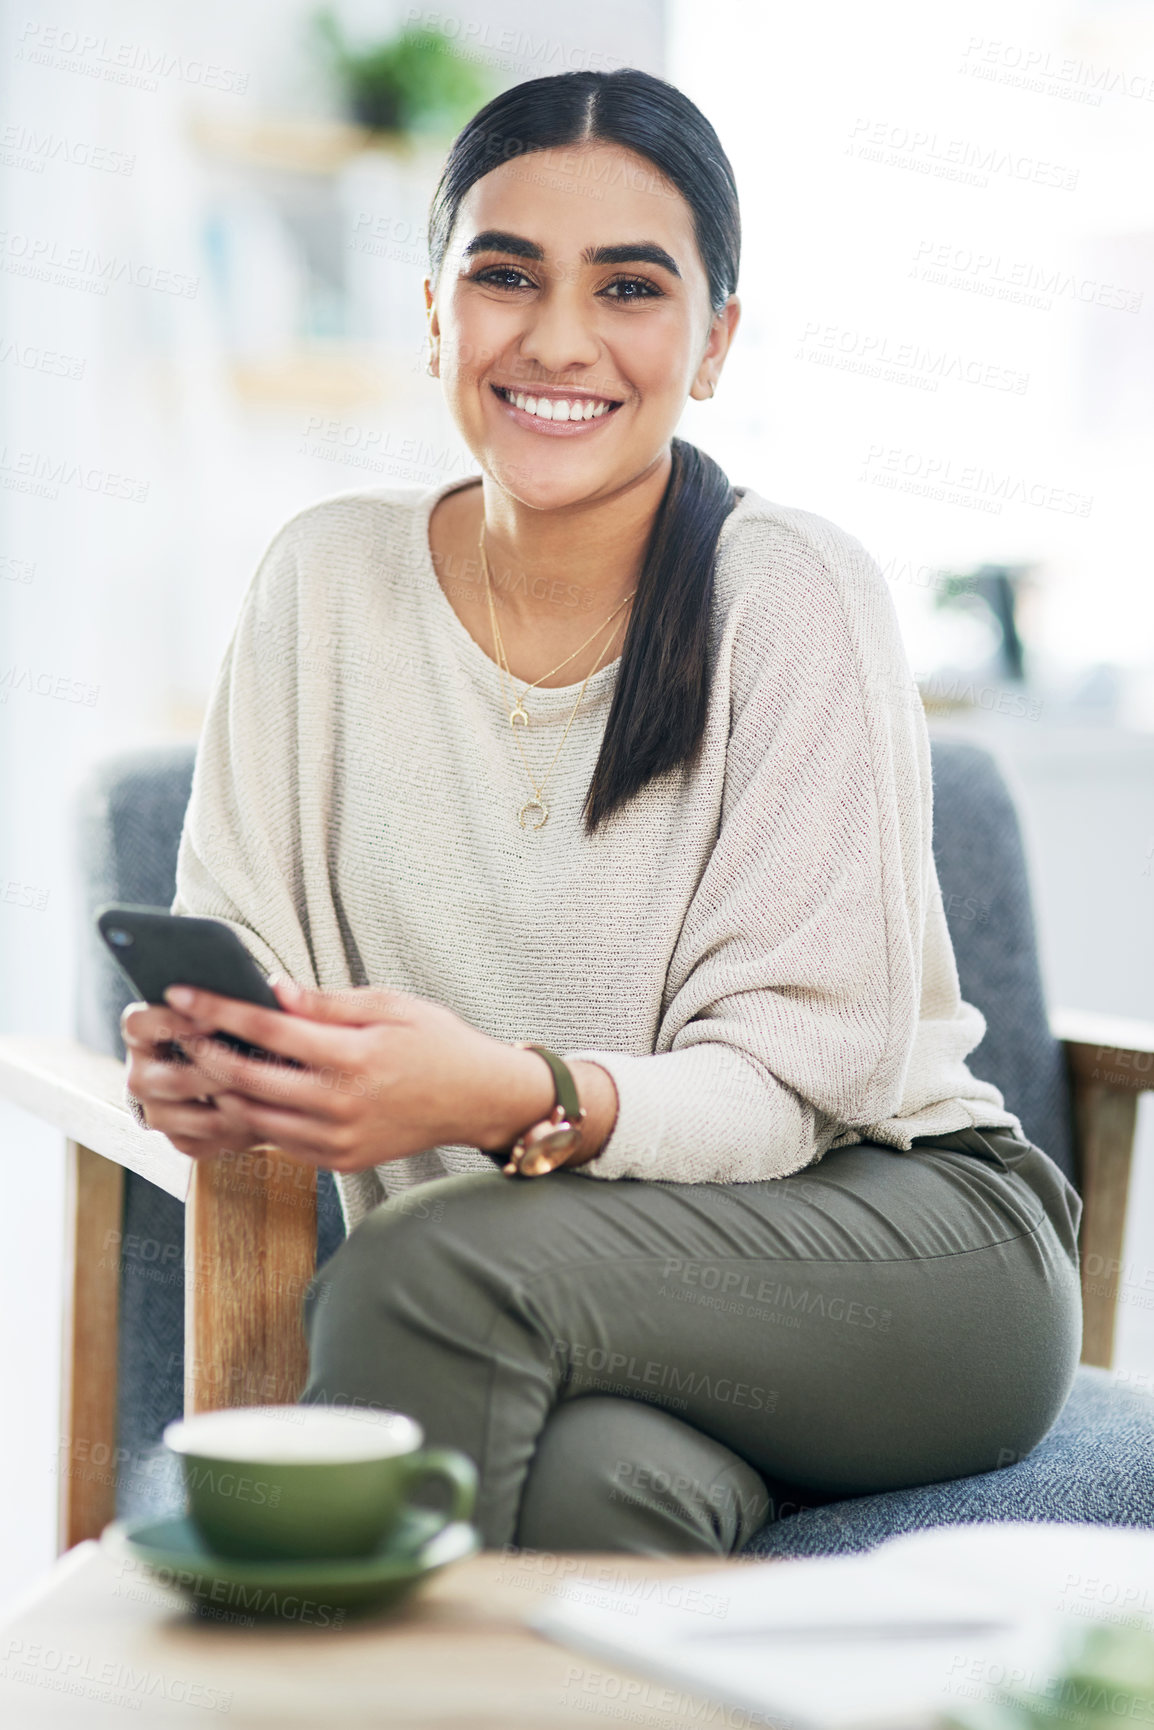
{"x":452,"y":1468}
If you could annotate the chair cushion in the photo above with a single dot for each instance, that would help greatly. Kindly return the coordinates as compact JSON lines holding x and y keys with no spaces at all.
{"x":985,"y":888}
{"x":127,"y":817}
{"x":1095,"y":1466}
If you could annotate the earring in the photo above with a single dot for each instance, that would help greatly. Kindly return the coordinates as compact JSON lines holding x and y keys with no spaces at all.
{"x":429,"y":364}
{"x":712,"y":386}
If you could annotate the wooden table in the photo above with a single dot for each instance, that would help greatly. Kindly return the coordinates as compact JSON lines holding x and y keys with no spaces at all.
{"x":97,"y":1645}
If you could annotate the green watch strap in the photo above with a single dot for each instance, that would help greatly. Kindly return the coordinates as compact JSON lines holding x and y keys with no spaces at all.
{"x":565,"y":1095}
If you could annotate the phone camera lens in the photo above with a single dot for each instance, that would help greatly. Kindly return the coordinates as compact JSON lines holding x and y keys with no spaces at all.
{"x":122,"y":939}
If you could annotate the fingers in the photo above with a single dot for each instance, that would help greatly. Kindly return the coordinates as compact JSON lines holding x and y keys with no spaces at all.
{"x":146,"y":1025}
{"x":289,"y":1035}
{"x":326,"y":1094}
{"x":153,"y":1080}
{"x":187,"y":1118}
{"x":192,"y":1101}
{"x":327,"y":1146}
{"x":359,"y":1006}
{"x":160,"y":1080}
{"x":232,"y":1123}
{"x":275,"y":1120}
{"x":203,"y":1130}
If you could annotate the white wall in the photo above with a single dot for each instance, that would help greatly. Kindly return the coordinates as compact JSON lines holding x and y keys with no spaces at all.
{"x":844,"y":314}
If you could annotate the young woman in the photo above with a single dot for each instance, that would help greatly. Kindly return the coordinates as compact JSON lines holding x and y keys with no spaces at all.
{"x":587,"y":802}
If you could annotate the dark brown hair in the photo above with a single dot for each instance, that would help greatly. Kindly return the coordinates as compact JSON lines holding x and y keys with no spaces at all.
{"x":657,"y":716}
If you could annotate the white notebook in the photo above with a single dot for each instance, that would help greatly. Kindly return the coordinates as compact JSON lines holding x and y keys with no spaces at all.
{"x":927,"y":1623}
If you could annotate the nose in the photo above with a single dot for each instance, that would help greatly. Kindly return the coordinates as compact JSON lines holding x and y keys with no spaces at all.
{"x":559,"y":336}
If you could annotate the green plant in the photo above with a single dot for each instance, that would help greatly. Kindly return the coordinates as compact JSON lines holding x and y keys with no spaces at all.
{"x":1106,"y":1681}
{"x":415,"y":82}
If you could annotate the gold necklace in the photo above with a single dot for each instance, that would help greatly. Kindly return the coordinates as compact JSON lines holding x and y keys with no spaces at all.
{"x":518,"y":711}
{"x":537,"y":802}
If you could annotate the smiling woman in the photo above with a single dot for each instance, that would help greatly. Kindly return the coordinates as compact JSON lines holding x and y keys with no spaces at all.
{"x":625,"y":868}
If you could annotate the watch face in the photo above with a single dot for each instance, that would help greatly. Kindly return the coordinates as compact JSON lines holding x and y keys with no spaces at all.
{"x":546,"y":1151}
{"x":561,"y":1141}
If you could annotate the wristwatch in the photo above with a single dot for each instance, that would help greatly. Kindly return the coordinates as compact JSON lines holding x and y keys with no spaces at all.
{"x":547,"y":1144}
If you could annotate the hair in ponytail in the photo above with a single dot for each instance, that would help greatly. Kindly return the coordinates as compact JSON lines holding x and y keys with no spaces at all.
{"x":657,"y":716}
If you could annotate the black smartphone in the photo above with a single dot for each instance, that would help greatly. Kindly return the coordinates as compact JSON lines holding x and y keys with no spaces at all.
{"x":155,"y":949}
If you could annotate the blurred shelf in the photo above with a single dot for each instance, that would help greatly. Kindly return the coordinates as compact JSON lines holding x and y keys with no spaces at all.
{"x":944,"y":705}
{"x":303,"y":146}
{"x":334,"y":375}
{"x":184,"y":719}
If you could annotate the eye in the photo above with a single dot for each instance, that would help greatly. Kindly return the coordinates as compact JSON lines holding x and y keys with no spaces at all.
{"x":649,"y":290}
{"x":493,"y":273}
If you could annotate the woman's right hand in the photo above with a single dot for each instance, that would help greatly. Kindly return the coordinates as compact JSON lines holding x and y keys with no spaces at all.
{"x":158,"y":1076}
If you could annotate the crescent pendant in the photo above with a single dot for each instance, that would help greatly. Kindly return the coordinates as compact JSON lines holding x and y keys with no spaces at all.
{"x":533,"y":805}
{"x":518,"y":714}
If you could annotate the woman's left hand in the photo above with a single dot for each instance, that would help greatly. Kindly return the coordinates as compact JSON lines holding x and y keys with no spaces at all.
{"x":386,"y":1074}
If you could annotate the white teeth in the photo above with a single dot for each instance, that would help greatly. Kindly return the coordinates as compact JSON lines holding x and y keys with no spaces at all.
{"x":549,"y":408}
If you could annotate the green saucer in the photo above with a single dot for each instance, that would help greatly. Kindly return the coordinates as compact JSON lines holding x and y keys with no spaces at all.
{"x":315,"y":1593}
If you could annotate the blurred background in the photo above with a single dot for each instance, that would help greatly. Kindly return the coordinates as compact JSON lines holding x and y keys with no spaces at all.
{"x":212,"y":246}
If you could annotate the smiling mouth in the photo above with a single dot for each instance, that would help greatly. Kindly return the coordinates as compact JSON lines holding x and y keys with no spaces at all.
{"x":558,"y":408}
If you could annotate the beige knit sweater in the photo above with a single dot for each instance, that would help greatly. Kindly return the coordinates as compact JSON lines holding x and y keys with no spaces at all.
{"x":756,"y":951}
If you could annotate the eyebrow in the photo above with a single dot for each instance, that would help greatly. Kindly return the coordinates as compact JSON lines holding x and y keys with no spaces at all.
{"x":629,"y":252}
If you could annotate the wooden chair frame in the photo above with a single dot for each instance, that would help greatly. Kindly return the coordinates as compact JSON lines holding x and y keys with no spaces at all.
{"x":250,"y":1238}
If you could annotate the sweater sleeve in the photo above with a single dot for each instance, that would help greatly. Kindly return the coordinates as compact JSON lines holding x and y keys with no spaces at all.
{"x":792,"y":999}
{"x":239,"y":854}
{"x":249,"y":824}
{"x":235,"y":862}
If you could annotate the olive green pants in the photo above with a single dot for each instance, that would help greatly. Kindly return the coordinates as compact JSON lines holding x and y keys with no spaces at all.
{"x":660,"y":1367}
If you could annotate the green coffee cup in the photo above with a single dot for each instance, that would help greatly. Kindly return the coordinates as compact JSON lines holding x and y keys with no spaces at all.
{"x":274,"y":1483}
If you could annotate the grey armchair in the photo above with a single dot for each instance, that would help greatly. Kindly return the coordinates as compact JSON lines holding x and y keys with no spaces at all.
{"x":187,"y":1282}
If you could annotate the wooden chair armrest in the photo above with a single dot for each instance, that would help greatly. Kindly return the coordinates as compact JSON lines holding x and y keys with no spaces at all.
{"x":81,"y":1092}
{"x":250,"y":1251}
{"x":1109,"y":1061}
{"x":1107,"y":1048}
